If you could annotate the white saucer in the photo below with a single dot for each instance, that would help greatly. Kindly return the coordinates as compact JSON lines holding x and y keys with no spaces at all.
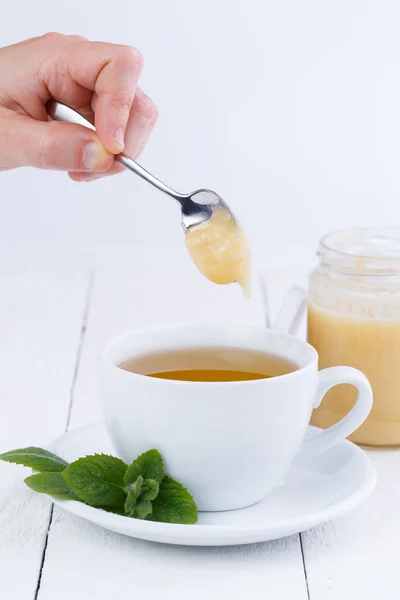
{"x":314,"y":491}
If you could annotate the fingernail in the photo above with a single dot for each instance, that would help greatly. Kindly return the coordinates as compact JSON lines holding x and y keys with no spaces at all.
{"x":93,"y":156}
{"x":119,"y":135}
{"x":89,"y":176}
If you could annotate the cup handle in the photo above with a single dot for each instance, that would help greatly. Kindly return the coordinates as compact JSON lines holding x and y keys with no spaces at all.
{"x":328,"y":378}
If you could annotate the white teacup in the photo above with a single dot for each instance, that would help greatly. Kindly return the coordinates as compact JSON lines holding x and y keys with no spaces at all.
{"x":228,"y":443}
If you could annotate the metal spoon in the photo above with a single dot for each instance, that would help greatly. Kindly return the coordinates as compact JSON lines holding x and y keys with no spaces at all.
{"x":196,"y":207}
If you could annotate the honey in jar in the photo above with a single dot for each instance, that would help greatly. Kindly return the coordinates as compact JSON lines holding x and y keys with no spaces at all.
{"x":354,"y":320}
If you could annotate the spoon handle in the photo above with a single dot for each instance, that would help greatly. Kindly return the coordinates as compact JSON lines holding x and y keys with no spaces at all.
{"x":132,"y":165}
{"x":62,"y":112}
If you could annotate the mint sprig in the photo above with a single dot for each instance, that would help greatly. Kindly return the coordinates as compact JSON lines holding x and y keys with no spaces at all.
{"x":142,"y":479}
{"x":140,"y":490}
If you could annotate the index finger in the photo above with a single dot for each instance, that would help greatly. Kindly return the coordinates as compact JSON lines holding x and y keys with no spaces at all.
{"x":112,"y":71}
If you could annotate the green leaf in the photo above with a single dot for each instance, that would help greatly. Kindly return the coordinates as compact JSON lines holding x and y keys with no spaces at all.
{"x":98,"y":480}
{"x":52,"y":484}
{"x":133,"y":492}
{"x":173,"y":504}
{"x":143,"y":509}
{"x":149,"y":465}
{"x":138,"y":509}
{"x":130,"y":504}
{"x":35,"y":458}
{"x":150,"y":489}
{"x":134,"y":489}
{"x":139,"y":496}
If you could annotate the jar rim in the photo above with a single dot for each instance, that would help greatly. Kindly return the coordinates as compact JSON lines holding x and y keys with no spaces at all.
{"x":365,"y":250}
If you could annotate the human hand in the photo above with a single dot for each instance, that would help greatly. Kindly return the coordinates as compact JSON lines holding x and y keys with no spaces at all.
{"x":97,"y":79}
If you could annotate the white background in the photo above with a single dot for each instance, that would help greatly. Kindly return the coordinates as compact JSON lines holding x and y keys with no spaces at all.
{"x":289,"y":110}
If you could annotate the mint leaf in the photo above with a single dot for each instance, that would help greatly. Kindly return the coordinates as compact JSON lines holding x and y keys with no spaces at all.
{"x":143,"y":509}
{"x":52,"y":484}
{"x":150,"y":489}
{"x":130,"y":504}
{"x":98,"y":480}
{"x":134,"y":489}
{"x":139,"y":496}
{"x":133,"y":492}
{"x":138,"y":509}
{"x":149,"y":465}
{"x":173,"y":504}
{"x":35,"y":458}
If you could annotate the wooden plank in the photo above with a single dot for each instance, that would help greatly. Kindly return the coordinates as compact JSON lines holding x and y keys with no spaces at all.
{"x":357,"y":556}
{"x":40,"y":328}
{"x":103,"y":565}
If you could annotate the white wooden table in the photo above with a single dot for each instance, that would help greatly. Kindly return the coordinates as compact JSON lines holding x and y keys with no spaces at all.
{"x":53,"y":323}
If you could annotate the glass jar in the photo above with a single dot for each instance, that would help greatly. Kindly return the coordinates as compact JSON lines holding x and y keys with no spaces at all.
{"x":354,"y":320}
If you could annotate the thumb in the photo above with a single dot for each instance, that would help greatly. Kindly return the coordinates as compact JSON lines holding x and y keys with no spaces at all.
{"x":50,"y":145}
